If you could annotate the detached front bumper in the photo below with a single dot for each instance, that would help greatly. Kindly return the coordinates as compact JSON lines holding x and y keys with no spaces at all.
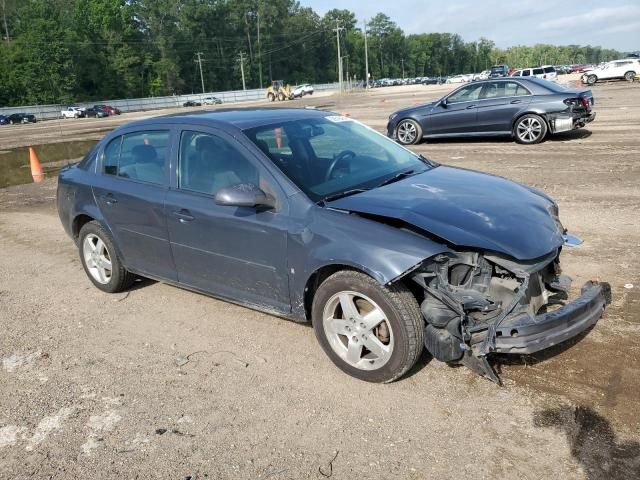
{"x":525,"y":334}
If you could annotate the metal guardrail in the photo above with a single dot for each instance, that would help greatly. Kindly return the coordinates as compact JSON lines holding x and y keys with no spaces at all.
{"x":50,"y":112}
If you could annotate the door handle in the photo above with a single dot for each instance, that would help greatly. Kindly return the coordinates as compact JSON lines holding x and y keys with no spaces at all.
{"x":516,"y":101}
{"x":109,"y":199}
{"x":183,"y":215}
{"x":470,"y":107}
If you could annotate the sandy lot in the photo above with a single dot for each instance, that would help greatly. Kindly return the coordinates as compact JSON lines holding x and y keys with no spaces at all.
{"x":163,"y":383}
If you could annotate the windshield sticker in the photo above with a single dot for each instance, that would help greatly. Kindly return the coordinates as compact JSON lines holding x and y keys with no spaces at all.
{"x":338,"y":118}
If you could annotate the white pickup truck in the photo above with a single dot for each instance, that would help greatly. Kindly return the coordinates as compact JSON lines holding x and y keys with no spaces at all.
{"x":72,"y":112}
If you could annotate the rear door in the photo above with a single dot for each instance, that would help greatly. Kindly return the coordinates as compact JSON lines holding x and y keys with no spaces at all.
{"x":498,"y":104}
{"x":457,"y":115}
{"x":130,"y":192}
{"x":234,"y":252}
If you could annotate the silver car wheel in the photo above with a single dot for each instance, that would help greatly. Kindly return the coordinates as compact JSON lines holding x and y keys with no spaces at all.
{"x":97,"y":258}
{"x":529,"y":129}
{"x":358,"y":330}
{"x":407,"y":132}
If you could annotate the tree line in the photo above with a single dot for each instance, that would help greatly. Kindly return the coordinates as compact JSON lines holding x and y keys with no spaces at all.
{"x":58,"y":51}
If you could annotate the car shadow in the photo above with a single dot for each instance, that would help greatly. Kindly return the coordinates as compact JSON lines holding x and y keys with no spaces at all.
{"x":593,"y":442}
{"x":141,"y":282}
{"x":423,"y":361}
{"x":578,"y":134}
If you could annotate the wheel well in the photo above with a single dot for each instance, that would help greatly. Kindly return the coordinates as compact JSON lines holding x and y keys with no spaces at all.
{"x":78,"y":223}
{"x":316,"y":279}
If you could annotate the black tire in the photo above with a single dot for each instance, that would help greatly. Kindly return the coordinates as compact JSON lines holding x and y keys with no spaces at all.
{"x":591,"y":79}
{"x":535,"y":135}
{"x":120,"y":279}
{"x":629,"y":76}
{"x":271,"y":97}
{"x":402,"y":316}
{"x":403,"y":132}
{"x":281,"y":97}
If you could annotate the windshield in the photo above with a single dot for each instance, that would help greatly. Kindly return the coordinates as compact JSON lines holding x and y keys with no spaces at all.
{"x":333,"y":156}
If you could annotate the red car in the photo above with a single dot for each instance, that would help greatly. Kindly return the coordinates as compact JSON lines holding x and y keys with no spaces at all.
{"x":109,"y":109}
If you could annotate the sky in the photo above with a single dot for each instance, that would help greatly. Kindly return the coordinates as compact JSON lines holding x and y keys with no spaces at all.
{"x":610,"y":23}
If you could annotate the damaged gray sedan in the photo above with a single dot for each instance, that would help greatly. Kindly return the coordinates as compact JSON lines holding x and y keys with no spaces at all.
{"x":315,"y":217}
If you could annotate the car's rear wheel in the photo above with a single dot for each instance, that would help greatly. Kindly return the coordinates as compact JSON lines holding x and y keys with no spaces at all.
{"x":370,"y":331}
{"x":591,"y":79}
{"x":629,"y":76}
{"x":271,"y":97}
{"x":530,"y":129}
{"x":101,"y":261}
{"x":281,"y":97}
{"x":408,"y":132}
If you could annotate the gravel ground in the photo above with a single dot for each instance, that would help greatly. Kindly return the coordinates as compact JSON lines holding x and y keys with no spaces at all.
{"x":163,"y":383}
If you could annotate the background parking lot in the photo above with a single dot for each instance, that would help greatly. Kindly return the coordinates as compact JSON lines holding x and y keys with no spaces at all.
{"x":159,"y":382}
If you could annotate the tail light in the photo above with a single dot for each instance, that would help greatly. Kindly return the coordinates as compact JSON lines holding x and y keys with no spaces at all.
{"x":586,"y":103}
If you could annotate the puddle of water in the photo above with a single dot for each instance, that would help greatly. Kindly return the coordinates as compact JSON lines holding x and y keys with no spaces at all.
{"x":14,"y":164}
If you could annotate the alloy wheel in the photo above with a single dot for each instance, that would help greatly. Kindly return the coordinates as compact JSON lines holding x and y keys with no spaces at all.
{"x":407,"y":132}
{"x":97,"y":258}
{"x":529,"y":129}
{"x":358,"y":330}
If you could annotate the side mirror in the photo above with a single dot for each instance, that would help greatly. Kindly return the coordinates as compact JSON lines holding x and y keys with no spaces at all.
{"x":244,"y":195}
{"x":443,"y":103}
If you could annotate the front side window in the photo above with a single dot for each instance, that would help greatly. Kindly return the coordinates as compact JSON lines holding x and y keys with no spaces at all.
{"x":328,"y":156}
{"x":139,"y":156}
{"x":465,"y":94}
{"x":209,"y":163}
{"x":526,"y":73}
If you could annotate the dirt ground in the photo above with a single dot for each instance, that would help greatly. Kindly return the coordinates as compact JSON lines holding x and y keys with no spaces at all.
{"x":163,"y":383}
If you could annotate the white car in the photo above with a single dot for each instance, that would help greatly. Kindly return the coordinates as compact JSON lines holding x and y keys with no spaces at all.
{"x":302,"y":90}
{"x":211,"y":101}
{"x":457,"y":79}
{"x":626,"y":68}
{"x":72,"y":112}
{"x":546,"y":72}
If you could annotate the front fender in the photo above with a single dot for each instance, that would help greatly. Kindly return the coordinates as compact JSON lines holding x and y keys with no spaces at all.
{"x":331,"y":237}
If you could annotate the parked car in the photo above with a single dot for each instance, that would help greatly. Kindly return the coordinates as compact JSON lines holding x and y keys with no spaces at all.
{"x":191,"y":103}
{"x":547,"y":72}
{"x":526,"y":108}
{"x":96,"y":112}
{"x":498,"y":71}
{"x":72,"y":112}
{"x":457,"y":79}
{"x":21,"y":118}
{"x":619,"y":69}
{"x":314,"y":217}
{"x":4,"y":120}
{"x":108,"y":109}
{"x":212,"y":101}
{"x":302,"y":90}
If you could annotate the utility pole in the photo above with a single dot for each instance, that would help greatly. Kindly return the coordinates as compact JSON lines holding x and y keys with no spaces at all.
{"x":402,"y":59}
{"x":199,"y":62}
{"x":366,"y":58}
{"x":241,"y":60}
{"x":338,"y":28}
{"x":259,"y":52}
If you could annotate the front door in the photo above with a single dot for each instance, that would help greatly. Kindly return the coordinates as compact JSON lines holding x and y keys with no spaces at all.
{"x":130,"y":193}
{"x":457,"y":114}
{"x":234,"y":252}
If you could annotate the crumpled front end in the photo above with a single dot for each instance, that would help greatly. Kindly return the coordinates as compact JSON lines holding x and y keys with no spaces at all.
{"x":477,"y":304}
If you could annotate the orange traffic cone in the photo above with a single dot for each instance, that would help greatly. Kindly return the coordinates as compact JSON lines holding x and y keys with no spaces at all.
{"x":36,"y":167}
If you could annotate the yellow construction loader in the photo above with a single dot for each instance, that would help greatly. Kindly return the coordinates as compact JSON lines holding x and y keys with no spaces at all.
{"x":279,"y":91}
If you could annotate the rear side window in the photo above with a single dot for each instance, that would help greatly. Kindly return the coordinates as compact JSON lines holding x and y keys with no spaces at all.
{"x":526,"y":73}
{"x":549,"y":69}
{"x":139,"y":156}
{"x":538,"y":71}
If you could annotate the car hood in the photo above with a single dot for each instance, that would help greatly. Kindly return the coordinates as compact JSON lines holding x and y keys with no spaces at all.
{"x":467,"y":209}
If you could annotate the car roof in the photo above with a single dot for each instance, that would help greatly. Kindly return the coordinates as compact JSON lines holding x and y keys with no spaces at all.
{"x":239,"y":118}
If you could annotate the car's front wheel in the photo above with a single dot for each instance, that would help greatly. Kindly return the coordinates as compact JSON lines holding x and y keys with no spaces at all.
{"x":370,"y":331}
{"x":530,"y":129}
{"x":408,"y":132}
{"x":101,"y":261}
{"x":591,"y":79}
